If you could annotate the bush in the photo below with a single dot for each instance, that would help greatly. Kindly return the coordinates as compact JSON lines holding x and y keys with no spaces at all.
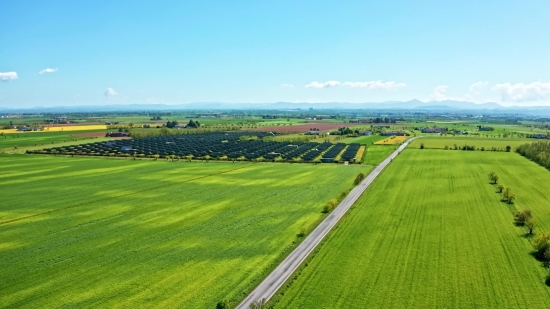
{"x":359,"y":178}
{"x":330,"y":205}
{"x":222,"y":305}
{"x":344,"y":193}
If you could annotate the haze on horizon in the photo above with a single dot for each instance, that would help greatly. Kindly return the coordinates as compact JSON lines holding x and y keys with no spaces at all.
{"x":170,"y":52}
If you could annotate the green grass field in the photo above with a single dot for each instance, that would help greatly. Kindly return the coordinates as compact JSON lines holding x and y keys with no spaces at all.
{"x":37,"y":138}
{"x":368,"y":140}
{"x":487,"y":142}
{"x":432,"y":233}
{"x":377,"y":153}
{"x":91,"y":232}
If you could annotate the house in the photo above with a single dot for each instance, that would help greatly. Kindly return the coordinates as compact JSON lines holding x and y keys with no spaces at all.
{"x":433,"y":130}
{"x":367,"y":133}
{"x":119,"y":134}
{"x":481,"y":128}
{"x":539,"y":135}
{"x":313,"y":132}
{"x":392,"y":133}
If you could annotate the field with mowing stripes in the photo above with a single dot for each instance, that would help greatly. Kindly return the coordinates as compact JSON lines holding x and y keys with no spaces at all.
{"x":30,"y":139}
{"x":377,"y":153}
{"x":487,"y":142}
{"x":89,"y":232}
{"x":431,"y":232}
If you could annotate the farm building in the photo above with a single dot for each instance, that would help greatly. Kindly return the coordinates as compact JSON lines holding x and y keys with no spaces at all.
{"x":482,"y":128}
{"x":539,"y":135}
{"x":394,"y":133}
{"x":433,"y":130}
{"x":118,"y":134}
{"x":367,"y":133}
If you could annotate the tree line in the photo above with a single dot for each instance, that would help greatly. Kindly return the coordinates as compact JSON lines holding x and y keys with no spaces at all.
{"x":537,"y":151}
{"x":540,"y":241}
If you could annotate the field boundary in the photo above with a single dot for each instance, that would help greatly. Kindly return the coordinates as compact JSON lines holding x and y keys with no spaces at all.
{"x":276,"y":279}
{"x":119,"y":196}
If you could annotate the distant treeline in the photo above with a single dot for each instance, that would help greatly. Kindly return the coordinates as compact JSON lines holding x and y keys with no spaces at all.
{"x":538,"y":152}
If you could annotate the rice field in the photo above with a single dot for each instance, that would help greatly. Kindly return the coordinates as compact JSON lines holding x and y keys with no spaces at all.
{"x":431,"y":232}
{"x":100,"y":233}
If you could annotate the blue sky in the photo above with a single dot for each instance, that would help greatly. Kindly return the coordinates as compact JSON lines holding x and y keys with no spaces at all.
{"x":121,"y":52}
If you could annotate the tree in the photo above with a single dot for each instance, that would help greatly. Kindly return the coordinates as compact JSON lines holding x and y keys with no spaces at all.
{"x":511,"y":197}
{"x":530,"y":225}
{"x":541,"y":243}
{"x":508,"y":148}
{"x":500,"y":187}
{"x":523,"y":216}
{"x":421,"y":145}
{"x":506,"y":193}
{"x":493,"y":177}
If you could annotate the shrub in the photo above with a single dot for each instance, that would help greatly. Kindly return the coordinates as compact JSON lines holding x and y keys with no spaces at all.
{"x":359,"y":178}
{"x":222,"y":305}
{"x":344,"y":193}
{"x":330,"y":205}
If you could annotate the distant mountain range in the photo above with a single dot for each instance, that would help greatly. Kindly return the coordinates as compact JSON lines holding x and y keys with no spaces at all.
{"x":447,"y":105}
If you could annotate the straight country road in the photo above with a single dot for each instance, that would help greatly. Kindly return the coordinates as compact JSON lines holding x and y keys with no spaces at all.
{"x":269,"y":286}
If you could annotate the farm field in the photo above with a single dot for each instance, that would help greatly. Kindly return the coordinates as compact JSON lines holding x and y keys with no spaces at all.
{"x":38,"y":138}
{"x":368,"y":140}
{"x":432,"y":233}
{"x":122,"y":233}
{"x":377,"y":153}
{"x":487,"y":142}
{"x":392,"y":140}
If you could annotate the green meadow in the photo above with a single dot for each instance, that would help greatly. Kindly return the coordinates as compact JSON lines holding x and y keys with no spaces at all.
{"x":377,"y":153}
{"x":487,"y":142}
{"x":431,"y":232}
{"x":92,"y":232}
{"x":29,"y":139}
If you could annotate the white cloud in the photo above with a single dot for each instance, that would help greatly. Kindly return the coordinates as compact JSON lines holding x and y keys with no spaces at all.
{"x":7,"y":76}
{"x":330,"y":83}
{"x":47,"y":70}
{"x":374,"y":85}
{"x":476,"y":87}
{"x":521,"y":92}
{"x":287,"y":85}
{"x":440,"y":93}
{"x":78,"y":96}
{"x":370,"y":85}
{"x":110,"y":92}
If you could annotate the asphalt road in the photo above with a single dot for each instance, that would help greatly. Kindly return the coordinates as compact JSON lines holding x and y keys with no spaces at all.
{"x":277,"y":278}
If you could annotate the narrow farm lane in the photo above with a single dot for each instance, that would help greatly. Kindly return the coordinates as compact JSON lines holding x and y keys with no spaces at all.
{"x":269,"y":286}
